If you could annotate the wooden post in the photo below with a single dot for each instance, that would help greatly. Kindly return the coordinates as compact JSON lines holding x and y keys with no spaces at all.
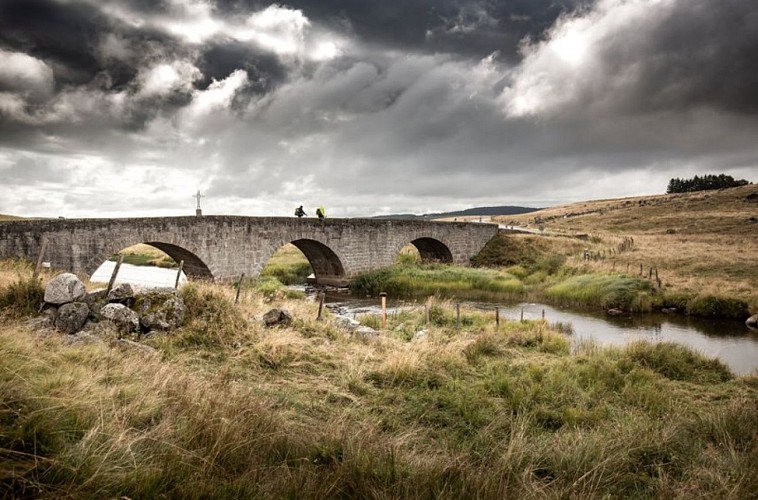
{"x":522,"y":314}
{"x":543,"y":315}
{"x":179,"y":274}
{"x":497,"y":318}
{"x":114,"y":274}
{"x":321,"y":297}
{"x":640,"y":269}
{"x":383,"y":295}
{"x":627,"y":268}
{"x":650,"y":274}
{"x":239,"y":286}
{"x":458,"y":315}
{"x":42,"y":248}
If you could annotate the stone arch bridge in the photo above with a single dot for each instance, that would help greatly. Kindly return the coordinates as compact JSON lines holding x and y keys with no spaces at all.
{"x":224,"y":247}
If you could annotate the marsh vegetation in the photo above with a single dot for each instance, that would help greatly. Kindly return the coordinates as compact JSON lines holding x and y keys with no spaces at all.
{"x":226,"y":408}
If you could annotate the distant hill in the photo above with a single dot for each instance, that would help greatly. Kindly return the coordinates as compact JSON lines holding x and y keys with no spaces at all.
{"x":9,"y":217}
{"x":469,"y":212}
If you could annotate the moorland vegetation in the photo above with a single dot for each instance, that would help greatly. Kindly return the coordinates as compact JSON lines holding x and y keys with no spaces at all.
{"x":224,"y":407}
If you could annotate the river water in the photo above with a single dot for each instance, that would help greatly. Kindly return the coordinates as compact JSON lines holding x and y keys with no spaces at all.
{"x":149,"y":276}
{"x":730,"y":341}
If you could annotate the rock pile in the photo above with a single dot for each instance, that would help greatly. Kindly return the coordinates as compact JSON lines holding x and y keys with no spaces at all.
{"x":70,"y":308}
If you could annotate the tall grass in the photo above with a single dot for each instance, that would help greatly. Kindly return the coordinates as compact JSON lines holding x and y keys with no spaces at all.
{"x":606,"y":291}
{"x":229,"y":409}
{"x":437,"y":279}
{"x":22,"y":297}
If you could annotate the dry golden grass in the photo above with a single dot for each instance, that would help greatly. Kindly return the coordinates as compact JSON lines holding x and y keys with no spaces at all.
{"x":310,"y":411}
{"x":704,"y":242}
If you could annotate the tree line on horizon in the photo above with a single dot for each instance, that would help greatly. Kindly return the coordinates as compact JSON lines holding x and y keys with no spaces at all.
{"x":704,"y":183}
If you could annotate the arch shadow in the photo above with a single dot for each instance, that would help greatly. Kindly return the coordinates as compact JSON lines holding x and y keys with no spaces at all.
{"x":326,"y":265}
{"x":193,"y":267}
{"x":432,"y":250}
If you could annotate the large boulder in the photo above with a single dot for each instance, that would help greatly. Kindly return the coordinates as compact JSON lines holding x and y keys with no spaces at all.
{"x":752,"y":322}
{"x":71,"y":317}
{"x":64,"y":288}
{"x":277,"y":317}
{"x":122,"y":294}
{"x":125,"y":320}
{"x":160,"y":309}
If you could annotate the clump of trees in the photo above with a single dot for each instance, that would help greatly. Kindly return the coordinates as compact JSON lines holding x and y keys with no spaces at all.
{"x":703,"y":183}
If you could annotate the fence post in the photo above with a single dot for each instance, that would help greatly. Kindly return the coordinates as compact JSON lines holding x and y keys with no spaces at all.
{"x":383,"y":295}
{"x":543,"y":315}
{"x":42,"y":248}
{"x":458,"y":315}
{"x":497,"y":318}
{"x":239,"y":286}
{"x":114,"y":274}
{"x":321,"y":297}
{"x":179,"y":274}
{"x":522,"y":314}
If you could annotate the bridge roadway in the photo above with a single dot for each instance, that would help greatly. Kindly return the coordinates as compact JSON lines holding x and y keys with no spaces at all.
{"x":224,"y":247}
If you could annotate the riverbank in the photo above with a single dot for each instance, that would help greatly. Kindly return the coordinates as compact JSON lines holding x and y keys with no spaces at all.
{"x":545,"y":269}
{"x":702,"y":243}
{"x":226,"y":408}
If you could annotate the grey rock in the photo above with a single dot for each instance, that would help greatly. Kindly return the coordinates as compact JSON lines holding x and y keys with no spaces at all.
{"x":615,"y":312}
{"x":752,"y":322}
{"x":346,"y":322}
{"x":160,"y":309}
{"x":64,"y":288}
{"x":71,"y":317}
{"x":94,"y":298}
{"x":122,"y":317}
{"x":669,"y":310}
{"x":277,"y":317}
{"x":419,"y":335}
{"x":365,"y":332}
{"x":122,"y":294}
{"x":45,"y":320}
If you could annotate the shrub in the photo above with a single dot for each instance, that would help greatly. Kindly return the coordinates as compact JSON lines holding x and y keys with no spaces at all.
{"x":212,"y":320}
{"x":21,"y":298}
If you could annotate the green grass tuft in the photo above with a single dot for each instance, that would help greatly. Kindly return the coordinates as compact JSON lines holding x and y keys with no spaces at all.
{"x":604,"y":290}
{"x":21,"y":298}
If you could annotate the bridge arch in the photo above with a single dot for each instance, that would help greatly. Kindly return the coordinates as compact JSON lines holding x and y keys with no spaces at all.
{"x":326,"y":264}
{"x":432,"y":250}
{"x":193,"y":267}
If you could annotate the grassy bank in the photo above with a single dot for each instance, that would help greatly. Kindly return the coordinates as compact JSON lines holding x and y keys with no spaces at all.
{"x":702,"y":244}
{"x":228,"y":409}
{"x":542,"y":268}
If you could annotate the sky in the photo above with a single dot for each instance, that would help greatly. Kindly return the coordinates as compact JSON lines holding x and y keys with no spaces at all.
{"x":125,"y":108}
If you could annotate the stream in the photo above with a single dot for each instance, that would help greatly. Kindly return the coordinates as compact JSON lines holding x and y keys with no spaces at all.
{"x":729,"y":341}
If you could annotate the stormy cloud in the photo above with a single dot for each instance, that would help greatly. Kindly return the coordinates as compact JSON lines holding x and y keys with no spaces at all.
{"x":367,"y":107}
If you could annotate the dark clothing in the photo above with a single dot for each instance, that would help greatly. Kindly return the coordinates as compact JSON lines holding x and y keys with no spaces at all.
{"x":299,"y":211}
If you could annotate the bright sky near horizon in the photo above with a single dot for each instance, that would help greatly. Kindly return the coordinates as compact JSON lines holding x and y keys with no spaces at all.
{"x":128,"y":107}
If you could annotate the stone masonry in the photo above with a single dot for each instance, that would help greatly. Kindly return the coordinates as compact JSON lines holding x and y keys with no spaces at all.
{"x":223,"y":247}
